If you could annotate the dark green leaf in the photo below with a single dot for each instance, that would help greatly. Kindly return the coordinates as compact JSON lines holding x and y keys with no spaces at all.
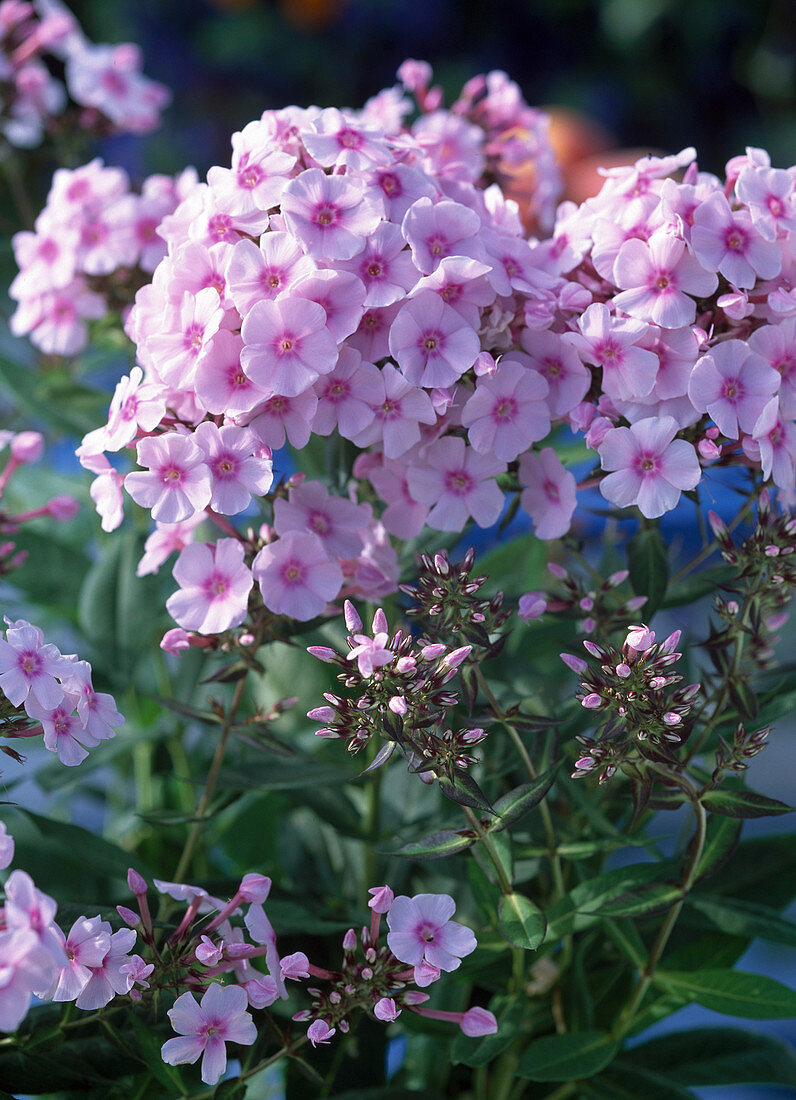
{"x":571,"y":1057}
{"x":436,"y":846}
{"x":628,"y":939}
{"x":718,"y":1056}
{"x":579,"y":908}
{"x":732,"y":992}
{"x":623,"y":1082}
{"x":743,"y":698}
{"x":464,"y":790}
{"x":648,"y":563}
{"x":745,"y":918}
{"x":517,"y":803}
{"x":230,"y":1090}
{"x":54,"y":396}
{"x":721,"y":840}
{"x":761,"y":867}
{"x":654,"y":897}
{"x":520,"y":921}
{"x":693,"y":588}
{"x":743,"y":804}
{"x":149,"y":1044}
{"x":187,"y":710}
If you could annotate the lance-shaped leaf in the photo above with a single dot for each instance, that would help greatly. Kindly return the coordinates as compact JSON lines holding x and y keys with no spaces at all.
{"x":721,"y":840}
{"x":437,"y":845}
{"x":519,"y":802}
{"x":649,"y":567}
{"x":521,"y":922}
{"x":624,"y":1082}
{"x":745,"y":918}
{"x":580,"y":1054}
{"x":464,"y":790}
{"x":732,"y":992}
{"x":654,"y":897}
{"x":743,"y":804}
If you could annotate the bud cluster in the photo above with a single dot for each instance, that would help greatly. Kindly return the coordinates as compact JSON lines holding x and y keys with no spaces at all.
{"x":733,"y":756}
{"x":764,"y":581}
{"x":600,"y":609}
{"x":640,"y":715}
{"x":447,"y":598}
{"x":398,"y":691}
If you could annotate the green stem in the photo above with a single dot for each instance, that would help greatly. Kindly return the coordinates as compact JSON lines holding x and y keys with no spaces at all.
{"x":212,"y":778}
{"x":625,"y":1020}
{"x":489,"y":848}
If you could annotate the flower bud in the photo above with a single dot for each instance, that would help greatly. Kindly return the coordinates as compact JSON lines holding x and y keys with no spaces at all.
{"x":27,"y":447}
{"x":63,"y":508}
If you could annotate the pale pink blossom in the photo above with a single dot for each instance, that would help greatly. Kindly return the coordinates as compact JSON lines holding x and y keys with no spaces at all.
{"x":399,"y":410}
{"x":457,"y":483}
{"x":548,"y":495}
{"x":660,"y":280}
{"x":421,"y":931}
{"x":296,"y":576}
{"x":726,"y":241}
{"x":337,"y":522}
{"x":437,"y":230}
{"x":287,"y":345}
{"x":238,"y":467}
{"x":330,"y":216}
{"x":732,"y":384}
{"x":628,"y":370}
{"x":205,"y":1027}
{"x":431,"y":342}
{"x":508,"y":411}
{"x":178,"y":482}
{"x":214,"y":587}
{"x":649,"y":467}
{"x":29,"y":666}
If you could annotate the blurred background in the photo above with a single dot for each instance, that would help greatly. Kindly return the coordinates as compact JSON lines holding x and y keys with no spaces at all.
{"x":648,"y":74}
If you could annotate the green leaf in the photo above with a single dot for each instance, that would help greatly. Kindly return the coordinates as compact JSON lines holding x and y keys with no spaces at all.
{"x":718,"y":1056}
{"x":509,"y":1013}
{"x":517,"y":565}
{"x":648,"y":563}
{"x":517,"y":803}
{"x":721,"y":839}
{"x":693,"y":588}
{"x":743,"y":804}
{"x":520,"y":921}
{"x":732,"y":992}
{"x":54,"y":396}
{"x":149,"y":1045}
{"x":578,"y":1055}
{"x":761,"y":867}
{"x":436,"y":845}
{"x":745,"y":918}
{"x":230,"y":1090}
{"x":464,"y":790}
{"x":623,"y":1082}
{"x":628,"y":939}
{"x":654,"y":897}
{"x":579,"y":908}
{"x":743,"y":699}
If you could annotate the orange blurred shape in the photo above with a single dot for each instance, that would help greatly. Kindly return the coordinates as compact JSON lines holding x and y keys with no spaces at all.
{"x":311,"y":15}
{"x":582,"y":180}
{"x":575,"y":135}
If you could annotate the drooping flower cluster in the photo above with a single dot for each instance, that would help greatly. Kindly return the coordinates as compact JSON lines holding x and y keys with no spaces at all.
{"x":25,"y":448}
{"x":105,"y":92}
{"x":90,"y":965}
{"x":398,"y":691}
{"x":422,"y":942}
{"x":94,"y":244}
{"x":629,"y":692}
{"x":45,"y":691}
{"x":686,"y":323}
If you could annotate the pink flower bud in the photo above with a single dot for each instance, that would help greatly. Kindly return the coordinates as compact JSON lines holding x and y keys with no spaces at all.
{"x":635,"y":602}
{"x":176,"y":641}
{"x":588,"y":625}
{"x":63,"y":508}
{"x":128,"y":916}
{"x":557,"y":570}
{"x":386,"y":1010}
{"x":321,"y":714}
{"x":27,"y":447}
{"x":254,"y":888}
{"x":397,"y":705}
{"x":478,"y":1021}
{"x":671,"y":718}
{"x":708,"y":450}
{"x":532,"y":606}
{"x":618,"y":578}
{"x":322,"y":652}
{"x":432,"y":651}
{"x":350,"y":941}
{"x":294,"y":966}
{"x":455,"y":658}
{"x":352,"y":619}
{"x":640,"y":638}
{"x":718,"y":526}
{"x":319,"y":1032}
{"x":623,"y":670}
{"x":136,"y":882}
{"x":592,"y":701}
{"x":381,"y":900}
{"x":577,"y":664}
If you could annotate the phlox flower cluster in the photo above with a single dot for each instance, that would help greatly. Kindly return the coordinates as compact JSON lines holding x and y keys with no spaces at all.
{"x":398,"y":690}
{"x":105,"y":90}
{"x":630,"y":693}
{"x":338,"y":277}
{"x":422,"y":943}
{"x":25,"y":448}
{"x":90,"y":964}
{"x":597,"y":608}
{"x":686,"y":323}
{"x":43,"y":691}
{"x":93,"y":245}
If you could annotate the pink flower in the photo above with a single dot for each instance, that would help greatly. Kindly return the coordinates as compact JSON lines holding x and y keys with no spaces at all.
{"x":165,"y":540}
{"x":507,"y":412}
{"x":649,"y":466}
{"x":255,"y":274}
{"x":189,"y":328}
{"x":732,"y":384}
{"x":86,"y":946}
{"x":178,"y":483}
{"x":214,"y":587}
{"x":478,"y":1021}
{"x":421,"y":931}
{"x":386,"y":1010}
{"x":28,"y":666}
{"x":296,"y":576}
{"x":725,"y":240}
{"x":628,"y":370}
{"x":347,"y":395}
{"x":657,"y":277}
{"x":330,"y":216}
{"x":64,"y":733}
{"x":287,"y":345}
{"x":206,"y":1027}
{"x":437,"y":230}
{"x":238,"y":467}
{"x":336,"y":521}
{"x":431,"y":342}
{"x":549,"y":495}
{"x":320,"y":1032}
{"x":458,"y":483}
{"x":384,"y":266}
{"x":399,"y":409}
